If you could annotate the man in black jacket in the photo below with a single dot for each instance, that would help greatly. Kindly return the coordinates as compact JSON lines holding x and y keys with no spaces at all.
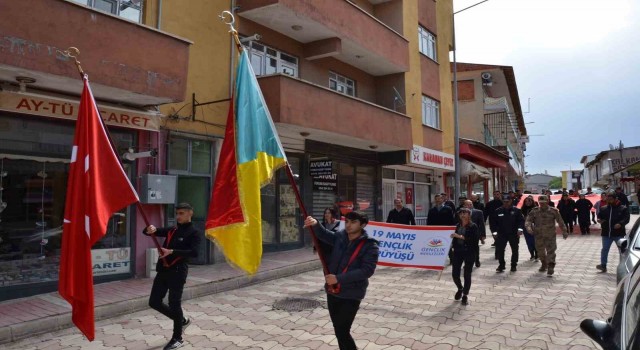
{"x":507,"y":223}
{"x":350,"y":274}
{"x":440,"y":214}
{"x":400,"y":214}
{"x":477,"y":204}
{"x":493,"y":204}
{"x":612,"y":218}
{"x":180,"y":244}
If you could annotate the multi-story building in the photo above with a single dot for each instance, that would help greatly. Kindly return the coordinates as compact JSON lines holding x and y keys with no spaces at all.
{"x":359,"y":91}
{"x":492,"y":130}
{"x":537,"y":183}
{"x":607,"y":168}
{"x":131,"y":72}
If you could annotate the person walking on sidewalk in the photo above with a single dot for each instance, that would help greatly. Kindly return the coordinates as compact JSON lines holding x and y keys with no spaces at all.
{"x":353,"y":261}
{"x":541,"y":222}
{"x":400,"y":214}
{"x":180,"y":244}
{"x":567,"y":207}
{"x":493,"y":204}
{"x":464,"y":245}
{"x":527,"y":206}
{"x":612,"y":218}
{"x":507,"y":223}
{"x":477,"y":217}
{"x":583,"y":206}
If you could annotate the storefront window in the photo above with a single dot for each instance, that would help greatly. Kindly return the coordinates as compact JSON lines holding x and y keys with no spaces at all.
{"x":201,"y":157}
{"x":268,"y":203}
{"x":34,"y":168}
{"x":179,"y":154}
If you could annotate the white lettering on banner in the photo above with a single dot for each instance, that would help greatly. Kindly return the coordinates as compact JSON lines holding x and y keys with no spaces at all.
{"x":68,"y":109}
{"x":432,"y":158}
{"x":110,"y":261}
{"x":423,"y":247}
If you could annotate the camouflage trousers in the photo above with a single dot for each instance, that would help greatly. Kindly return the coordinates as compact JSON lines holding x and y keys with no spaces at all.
{"x":546,"y":247}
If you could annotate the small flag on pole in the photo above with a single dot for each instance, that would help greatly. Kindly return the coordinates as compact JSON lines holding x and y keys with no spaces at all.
{"x":97,"y":187}
{"x":250,"y":155}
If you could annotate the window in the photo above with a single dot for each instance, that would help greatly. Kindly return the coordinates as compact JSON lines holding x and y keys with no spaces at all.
{"x":266,"y":60}
{"x":427,"y":43}
{"x":190,"y":156}
{"x":430,"y":112}
{"x":342,"y":84}
{"x":129,"y":9}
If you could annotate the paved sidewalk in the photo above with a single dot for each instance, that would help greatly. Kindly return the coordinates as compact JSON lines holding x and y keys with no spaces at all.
{"x":404,"y":309}
{"x":26,"y":317}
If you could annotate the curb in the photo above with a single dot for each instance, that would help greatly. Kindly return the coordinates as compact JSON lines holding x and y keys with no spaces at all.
{"x":28,"y":329}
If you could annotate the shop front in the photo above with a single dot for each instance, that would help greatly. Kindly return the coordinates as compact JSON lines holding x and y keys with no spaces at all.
{"x":36,"y":135}
{"x":416,"y":182}
{"x":481,"y":169}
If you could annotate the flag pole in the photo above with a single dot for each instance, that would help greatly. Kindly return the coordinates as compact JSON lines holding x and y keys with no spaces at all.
{"x":314,"y":238}
{"x":73,"y":52}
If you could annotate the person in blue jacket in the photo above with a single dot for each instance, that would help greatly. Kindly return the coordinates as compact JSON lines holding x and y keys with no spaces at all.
{"x":352,"y":262}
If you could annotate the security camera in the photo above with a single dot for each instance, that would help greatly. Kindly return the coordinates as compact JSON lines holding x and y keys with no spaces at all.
{"x":131,"y":156}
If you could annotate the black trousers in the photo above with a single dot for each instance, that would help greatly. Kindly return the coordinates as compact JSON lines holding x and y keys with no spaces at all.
{"x":468,"y":258}
{"x":501,"y":245}
{"x":568,"y":222}
{"x":173,"y":281}
{"x":342,"y":313}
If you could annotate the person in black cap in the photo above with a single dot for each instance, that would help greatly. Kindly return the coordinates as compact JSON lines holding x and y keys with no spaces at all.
{"x":507,"y":225}
{"x":180,"y":244}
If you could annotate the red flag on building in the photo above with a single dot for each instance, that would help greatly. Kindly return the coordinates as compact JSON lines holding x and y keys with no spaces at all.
{"x":97,"y":187}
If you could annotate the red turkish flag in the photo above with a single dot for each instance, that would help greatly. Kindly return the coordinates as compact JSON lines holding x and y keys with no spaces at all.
{"x":97,"y":188}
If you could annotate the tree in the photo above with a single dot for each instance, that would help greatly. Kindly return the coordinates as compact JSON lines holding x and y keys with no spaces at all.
{"x":556,"y":182}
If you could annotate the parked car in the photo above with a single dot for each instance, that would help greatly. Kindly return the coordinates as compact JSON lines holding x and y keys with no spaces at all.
{"x":620,"y":331}
{"x":629,"y":248}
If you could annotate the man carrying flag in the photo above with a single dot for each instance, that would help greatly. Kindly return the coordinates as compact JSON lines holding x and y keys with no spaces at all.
{"x":97,"y":187}
{"x":250,"y":155}
{"x":181,"y":243}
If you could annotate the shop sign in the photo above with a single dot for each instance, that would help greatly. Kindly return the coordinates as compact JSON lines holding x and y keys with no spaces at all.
{"x":320,"y":167}
{"x":432,"y":158}
{"x":55,"y":107}
{"x":111,"y":261}
{"x":326,"y":183}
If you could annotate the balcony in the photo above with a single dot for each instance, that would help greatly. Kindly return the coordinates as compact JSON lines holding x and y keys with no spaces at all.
{"x":356,"y":37}
{"x":126,"y":62}
{"x":324,"y":115}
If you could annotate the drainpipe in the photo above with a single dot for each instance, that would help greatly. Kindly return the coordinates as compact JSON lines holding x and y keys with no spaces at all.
{"x":159,"y":19}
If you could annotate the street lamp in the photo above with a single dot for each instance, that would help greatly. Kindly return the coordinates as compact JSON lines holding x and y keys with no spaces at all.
{"x":456,"y":130}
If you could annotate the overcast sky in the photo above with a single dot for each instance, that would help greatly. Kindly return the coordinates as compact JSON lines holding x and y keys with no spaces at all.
{"x":577,"y":60}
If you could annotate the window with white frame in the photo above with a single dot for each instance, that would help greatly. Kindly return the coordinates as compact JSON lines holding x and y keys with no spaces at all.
{"x":430,"y":112}
{"x":427,"y":42}
{"x":129,"y":9}
{"x":266,"y":60}
{"x":342,"y":84}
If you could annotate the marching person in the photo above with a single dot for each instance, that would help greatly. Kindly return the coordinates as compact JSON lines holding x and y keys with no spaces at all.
{"x":477,"y":204}
{"x":567,"y":207}
{"x":180,"y":244}
{"x":352,"y":262}
{"x":551,"y":203}
{"x":400,"y":214}
{"x":583,"y":206}
{"x":507,"y":223}
{"x":527,"y":206}
{"x":330,"y":222}
{"x":464,"y":245}
{"x":477,"y":217}
{"x":612,"y":218}
{"x":541,"y":222}
{"x":493,"y":204}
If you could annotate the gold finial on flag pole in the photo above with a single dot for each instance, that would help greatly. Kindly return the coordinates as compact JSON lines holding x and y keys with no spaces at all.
{"x":73,"y":52}
{"x":232,"y":30}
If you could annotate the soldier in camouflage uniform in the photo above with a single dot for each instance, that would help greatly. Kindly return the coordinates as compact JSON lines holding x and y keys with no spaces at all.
{"x":542,"y":222}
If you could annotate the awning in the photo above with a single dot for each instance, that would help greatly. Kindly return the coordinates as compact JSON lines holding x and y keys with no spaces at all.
{"x":481,"y":154}
{"x":474,"y":172}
